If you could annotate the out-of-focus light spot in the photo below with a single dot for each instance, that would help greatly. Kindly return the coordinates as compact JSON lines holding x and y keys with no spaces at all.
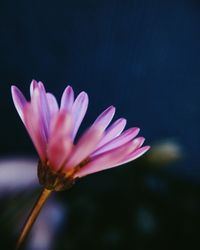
{"x":46,"y":227}
{"x":112,"y":236}
{"x":164,"y":152}
{"x":156,"y":184}
{"x":17,"y":174}
{"x":145,"y":221}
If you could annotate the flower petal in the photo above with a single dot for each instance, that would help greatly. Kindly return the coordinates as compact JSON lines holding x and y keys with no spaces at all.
{"x":134,"y":155}
{"x":60,"y":143}
{"x":67,"y":99}
{"x":125,"y":137}
{"x":39,"y":93}
{"x":41,"y":87}
{"x":105,"y":118}
{"x":113,"y":131}
{"x":79,"y":109}
{"x":106,"y":160}
{"x":53,"y":104}
{"x":33,"y":85}
{"x":84,"y":147}
{"x":19,"y":101}
{"x":33,"y":125}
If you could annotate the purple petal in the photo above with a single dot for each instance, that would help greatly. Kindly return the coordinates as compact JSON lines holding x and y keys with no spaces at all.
{"x":53,"y":104}
{"x":125,"y":137}
{"x":33,"y":125}
{"x":141,"y":141}
{"x":113,"y":131}
{"x":105,"y":118}
{"x":134,"y":155}
{"x":19,"y":101}
{"x":41,"y":87}
{"x":67,"y":99}
{"x":105,"y":160}
{"x":60,"y":143}
{"x":39,"y":94}
{"x":79,"y":109}
{"x":33,"y":85}
{"x":84,"y":147}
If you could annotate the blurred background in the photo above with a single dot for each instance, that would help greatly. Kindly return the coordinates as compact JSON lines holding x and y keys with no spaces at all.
{"x":141,"y":56}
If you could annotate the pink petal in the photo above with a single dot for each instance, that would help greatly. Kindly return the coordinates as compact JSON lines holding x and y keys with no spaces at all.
{"x":125,"y":137}
{"x":41,"y":102}
{"x":105,"y":160}
{"x":105,"y":118}
{"x":79,"y":109}
{"x":39,"y":112}
{"x":60,"y":143}
{"x":41,"y":87}
{"x":19,"y":101}
{"x":33,"y":85}
{"x":134,"y":155}
{"x":113,"y":131}
{"x":67,"y":99}
{"x":84,"y":147}
{"x":33,"y":126}
{"x":141,"y":141}
{"x":52,"y":103}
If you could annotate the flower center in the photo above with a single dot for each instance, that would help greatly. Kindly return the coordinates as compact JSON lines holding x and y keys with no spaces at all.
{"x":54,"y":180}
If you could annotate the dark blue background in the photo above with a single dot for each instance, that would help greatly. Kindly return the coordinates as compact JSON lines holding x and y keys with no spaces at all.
{"x":142,"y":56}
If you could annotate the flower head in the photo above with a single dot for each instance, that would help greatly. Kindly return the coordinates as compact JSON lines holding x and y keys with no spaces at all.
{"x":53,"y":128}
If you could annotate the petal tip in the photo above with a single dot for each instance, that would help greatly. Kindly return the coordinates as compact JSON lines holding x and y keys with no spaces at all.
{"x":140,"y":140}
{"x":84,"y":97}
{"x":69,"y":88}
{"x":136,"y":130}
{"x":112,"y":107}
{"x":83,"y":93}
{"x":33,"y":81}
{"x":13,"y":88}
{"x":147,"y":147}
{"x":133,"y":130}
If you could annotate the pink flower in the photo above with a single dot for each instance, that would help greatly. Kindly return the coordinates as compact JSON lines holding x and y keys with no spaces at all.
{"x":53,"y":128}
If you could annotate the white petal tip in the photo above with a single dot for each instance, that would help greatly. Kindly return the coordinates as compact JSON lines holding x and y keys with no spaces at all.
{"x":13,"y":88}
{"x":147,"y":147}
{"x":83,"y":93}
{"x":139,"y":140}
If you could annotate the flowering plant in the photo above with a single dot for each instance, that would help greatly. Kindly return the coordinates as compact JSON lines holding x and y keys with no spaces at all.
{"x":53,"y":128}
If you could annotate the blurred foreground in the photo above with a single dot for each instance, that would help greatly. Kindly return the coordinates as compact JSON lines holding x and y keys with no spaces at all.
{"x":144,"y":206}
